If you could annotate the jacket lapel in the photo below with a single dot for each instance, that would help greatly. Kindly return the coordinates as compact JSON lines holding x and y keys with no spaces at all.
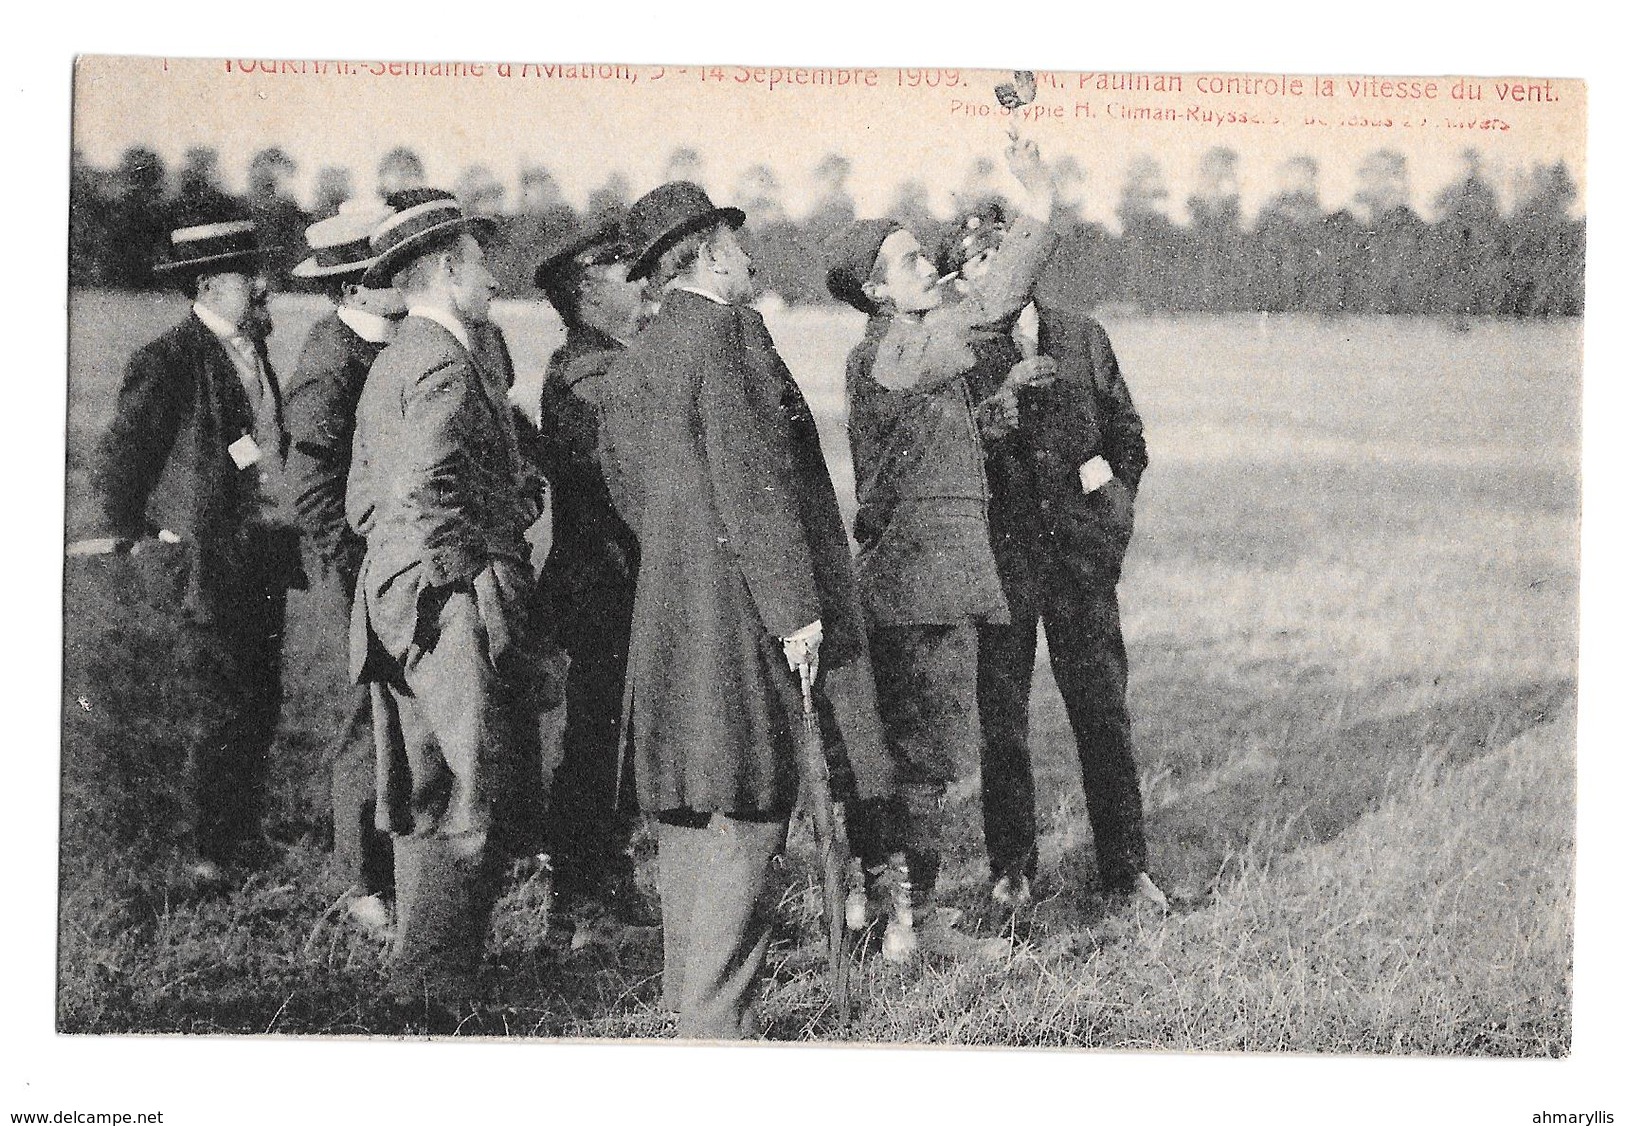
{"x":233,"y":414}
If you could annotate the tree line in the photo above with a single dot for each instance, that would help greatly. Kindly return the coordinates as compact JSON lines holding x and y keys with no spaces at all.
{"x":1478,"y":254}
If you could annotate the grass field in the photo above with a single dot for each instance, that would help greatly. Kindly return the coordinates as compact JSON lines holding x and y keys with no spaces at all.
{"x":1351,"y":612}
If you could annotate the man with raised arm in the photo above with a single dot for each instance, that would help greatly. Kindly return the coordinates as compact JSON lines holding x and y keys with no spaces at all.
{"x":925,"y":563}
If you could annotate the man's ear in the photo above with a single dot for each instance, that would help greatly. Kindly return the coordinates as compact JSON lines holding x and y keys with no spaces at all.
{"x":874,"y":291}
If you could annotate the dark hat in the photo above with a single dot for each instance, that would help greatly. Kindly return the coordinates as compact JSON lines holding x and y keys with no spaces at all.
{"x":224,"y":246}
{"x":602,"y":244}
{"x":665,"y":216}
{"x":342,"y":244}
{"x":425,"y":219}
{"x":852,"y":254}
{"x":968,"y":235}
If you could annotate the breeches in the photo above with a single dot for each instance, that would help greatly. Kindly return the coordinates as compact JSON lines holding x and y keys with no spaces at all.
{"x":925,"y":678}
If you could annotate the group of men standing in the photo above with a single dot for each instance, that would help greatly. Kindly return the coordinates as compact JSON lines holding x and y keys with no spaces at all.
{"x":696,"y":569}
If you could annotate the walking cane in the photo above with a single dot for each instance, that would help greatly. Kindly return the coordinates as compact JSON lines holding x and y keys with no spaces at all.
{"x":830,"y":839}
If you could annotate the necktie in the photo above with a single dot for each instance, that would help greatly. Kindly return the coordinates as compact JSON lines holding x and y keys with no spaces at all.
{"x":246,"y":358}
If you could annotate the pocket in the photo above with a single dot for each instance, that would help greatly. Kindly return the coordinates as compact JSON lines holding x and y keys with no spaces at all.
{"x":519,"y":652}
{"x":504,"y":599}
{"x":1094,"y":532}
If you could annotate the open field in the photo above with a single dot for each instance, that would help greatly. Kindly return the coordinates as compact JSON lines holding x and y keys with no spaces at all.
{"x":1351,"y":612}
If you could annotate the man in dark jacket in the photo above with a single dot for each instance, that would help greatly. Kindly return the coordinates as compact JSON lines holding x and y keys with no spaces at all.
{"x":1062,"y":488}
{"x":190,"y":477}
{"x":744,"y":586}
{"x":321,"y":405}
{"x":589,"y":578}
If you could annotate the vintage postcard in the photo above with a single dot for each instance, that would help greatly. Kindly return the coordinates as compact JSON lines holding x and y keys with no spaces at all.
{"x":915,"y":555}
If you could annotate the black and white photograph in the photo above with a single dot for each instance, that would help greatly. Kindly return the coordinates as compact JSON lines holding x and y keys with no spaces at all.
{"x":692,"y":553}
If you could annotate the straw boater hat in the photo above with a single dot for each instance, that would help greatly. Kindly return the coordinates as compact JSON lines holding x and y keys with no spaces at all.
{"x":599,"y":246}
{"x":665,"y":216}
{"x":341,"y":245}
{"x":227,"y":246}
{"x":425,"y":219}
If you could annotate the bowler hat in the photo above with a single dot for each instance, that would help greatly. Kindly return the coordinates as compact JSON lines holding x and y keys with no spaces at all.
{"x":667,"y":215}
{"x":224,"y":246}
{"x":341,"y":244}
{"x":603,"y":244}
{"x":852,"y":254}
{"x":425,"y":219}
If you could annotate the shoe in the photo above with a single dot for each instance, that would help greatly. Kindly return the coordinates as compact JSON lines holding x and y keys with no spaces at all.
{"x":858,"y":915}
{"x":939,"y":934}
{"x":370,"y":915}
{"x":1147,"y":892}
{"x":594,"y":925}
{"x":899,"y":943}
{"x":1012,"y":893}
{"x":1142,"y":894}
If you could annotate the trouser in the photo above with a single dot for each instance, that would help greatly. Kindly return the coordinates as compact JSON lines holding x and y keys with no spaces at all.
{"x":467,"y":740}
{"x":1085,"y":640}
{"x":362,"y":855}
{"x":235,"y":661}
{"x":925,"y":686}
{"x":589,"y":831}
{"x":713,"y":871}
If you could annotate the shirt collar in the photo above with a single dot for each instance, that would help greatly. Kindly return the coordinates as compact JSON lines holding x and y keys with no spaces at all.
{"x":215,"y":323}
{"x":445,"y":320}
{"x":711,"y":297}
{"x":369,"y":326}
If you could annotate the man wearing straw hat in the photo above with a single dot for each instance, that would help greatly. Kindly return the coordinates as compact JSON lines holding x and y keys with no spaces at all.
{"x":189,"y":477}
{"x":321,"y":406}
{"x":744,"y":587}
{"x":445,"y":631}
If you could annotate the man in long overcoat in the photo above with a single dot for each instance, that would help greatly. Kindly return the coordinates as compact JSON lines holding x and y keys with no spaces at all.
{"x":744,"y":584}
{"x":322,"y":397}
{"x":589,"y":578}
{"x":445,"y":631}
{"x":189,"y":475}
{"x":1062,"y":487}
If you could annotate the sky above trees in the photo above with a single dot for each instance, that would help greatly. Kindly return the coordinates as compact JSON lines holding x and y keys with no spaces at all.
{"x":917,"y":133}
